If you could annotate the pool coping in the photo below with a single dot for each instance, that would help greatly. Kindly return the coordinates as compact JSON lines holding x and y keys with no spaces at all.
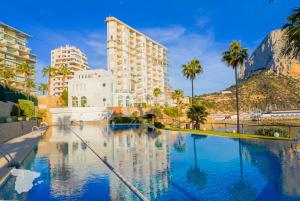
{"x":19,"y":148}
{"x":226,"y":134}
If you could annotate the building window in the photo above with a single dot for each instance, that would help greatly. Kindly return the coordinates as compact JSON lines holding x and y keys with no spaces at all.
{"x":127,"y":101}
{"x":83,"y":101}
{"x":103,"y":84}
{"x":74,"y":101}
{"x":104,"y":101}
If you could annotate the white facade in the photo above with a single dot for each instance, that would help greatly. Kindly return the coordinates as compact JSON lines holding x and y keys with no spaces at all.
{"x":90,"y":88}
{"x":71,"y":57}
{"x":138,"y":65}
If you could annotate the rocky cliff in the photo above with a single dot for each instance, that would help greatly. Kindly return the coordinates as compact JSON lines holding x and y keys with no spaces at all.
{"x":268,"y":57}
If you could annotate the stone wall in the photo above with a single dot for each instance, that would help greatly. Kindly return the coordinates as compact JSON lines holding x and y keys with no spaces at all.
{"x":15,"y":129}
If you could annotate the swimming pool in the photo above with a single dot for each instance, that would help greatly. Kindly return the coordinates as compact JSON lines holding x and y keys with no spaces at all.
{"x":164,"y":166}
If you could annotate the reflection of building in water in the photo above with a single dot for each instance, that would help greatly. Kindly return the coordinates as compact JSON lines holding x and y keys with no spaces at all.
{"x":144,"y":161}
{"x":281,"y":165}
{"x":139,"y":157}
{"x":70,"y":162}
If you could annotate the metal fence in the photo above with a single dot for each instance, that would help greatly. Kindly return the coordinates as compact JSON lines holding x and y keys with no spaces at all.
{"x":292,"y":130}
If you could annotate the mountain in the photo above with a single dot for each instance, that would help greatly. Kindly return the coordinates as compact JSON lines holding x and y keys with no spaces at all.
{"x":261,"y":91}
{"x":268,"y":57}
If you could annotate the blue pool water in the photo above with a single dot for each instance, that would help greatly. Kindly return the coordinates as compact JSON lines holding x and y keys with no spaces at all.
{"x":164,"y":166}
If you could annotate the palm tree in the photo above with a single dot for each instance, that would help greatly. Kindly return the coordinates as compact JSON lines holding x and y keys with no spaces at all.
{"x":64,"y":72}
{"x":178,"y":95}
{"x":292,"y":34}
{"x":30,"y":84}
{"x":190,"y":71}
{"x":43,"y":88}
{"x":7,"y":74}
{"x":27,"y":71}
{"x":156,"y":93}
{"x":49,"y":72}
{"x":235,"y":57}
{"x":198,"y":114}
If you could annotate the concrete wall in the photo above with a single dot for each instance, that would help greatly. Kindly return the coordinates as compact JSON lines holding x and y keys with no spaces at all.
{"x":15,"y":129}
{"x":66,"y":115}
{"x":5,"y":108}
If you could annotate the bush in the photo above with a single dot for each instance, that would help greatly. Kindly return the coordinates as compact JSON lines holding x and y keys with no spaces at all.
{"x":159,"y":125}
{"x":27,"y":108}
{"x":64,"y":98}
{"x":41,"y":113}
{"x":271,"y":130}
{"x":125,"y":120}
{"x":9,"y":94}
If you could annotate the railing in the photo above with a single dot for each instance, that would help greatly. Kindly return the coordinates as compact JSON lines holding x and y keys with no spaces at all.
{"x":293,"y":131}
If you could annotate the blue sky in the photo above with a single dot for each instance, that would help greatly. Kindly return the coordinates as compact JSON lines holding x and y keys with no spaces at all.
{"x":190,"y":29}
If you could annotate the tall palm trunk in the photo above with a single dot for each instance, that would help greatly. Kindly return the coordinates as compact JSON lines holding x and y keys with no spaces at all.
{"x":192,"y":91}
{"x":237,"y":101}
{"x":193,"y":100}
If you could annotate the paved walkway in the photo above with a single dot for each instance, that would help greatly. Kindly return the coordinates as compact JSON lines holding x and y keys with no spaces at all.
{"x":17,"y":149}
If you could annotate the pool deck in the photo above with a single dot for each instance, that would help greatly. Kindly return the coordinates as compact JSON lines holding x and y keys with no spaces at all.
{"x":18,"y":149}
{"x":227,"y":134}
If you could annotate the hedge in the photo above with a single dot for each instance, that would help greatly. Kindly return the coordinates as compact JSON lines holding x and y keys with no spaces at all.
{"x":9,"y":94}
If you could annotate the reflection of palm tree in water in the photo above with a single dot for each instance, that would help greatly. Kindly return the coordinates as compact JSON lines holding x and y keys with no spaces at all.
{"x":194,"y":174}
{"x":241,"y":190}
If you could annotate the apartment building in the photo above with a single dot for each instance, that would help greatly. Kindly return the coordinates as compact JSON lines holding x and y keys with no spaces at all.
{"x":138,"y":65}
{"x":90,"y":88}
{"x":13,"y":52}
{"x":71,"y":57}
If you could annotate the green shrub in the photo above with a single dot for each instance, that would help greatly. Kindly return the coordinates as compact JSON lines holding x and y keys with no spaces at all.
{"x":125,"y":120}
{"x":8,"y":119}
{"x":64,"y":98}
{"x":159,"y":125}
{"x":269,"y":131}
{"x":27,"y":108}
{"x":134,"y":114}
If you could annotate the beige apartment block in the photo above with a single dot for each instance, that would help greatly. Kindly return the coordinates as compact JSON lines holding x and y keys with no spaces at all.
{"x":71,"y":57}
{"x":13,"y":52}
{"x":138,"y":65}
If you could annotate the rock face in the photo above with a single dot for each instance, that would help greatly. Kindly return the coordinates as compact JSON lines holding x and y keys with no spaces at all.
{"x":268,"y":57}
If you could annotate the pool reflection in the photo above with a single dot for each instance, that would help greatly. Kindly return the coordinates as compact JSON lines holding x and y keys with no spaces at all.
{"x":163,"y":166}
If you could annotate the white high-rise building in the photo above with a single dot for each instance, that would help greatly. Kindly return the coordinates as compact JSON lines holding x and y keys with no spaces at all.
{"x":71,"y":57}
{"x":138,"y":65}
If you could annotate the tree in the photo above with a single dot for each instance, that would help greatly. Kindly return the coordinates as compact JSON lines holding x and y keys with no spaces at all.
{"x":190,"y":71}
{"x":43,"y":88}
{"x":292,"y":35}
{"x":27,"y":70}
{"x":235,"y":57}
{"x":27,"y":107}
{"x":178,"y":95}
{"x":64,"y":98}
{"x":198,"y":114}
{"x":6,"y":74}
{"x":50,"y":72}
{"x":64,"y":72}
{"x":156,"y":93}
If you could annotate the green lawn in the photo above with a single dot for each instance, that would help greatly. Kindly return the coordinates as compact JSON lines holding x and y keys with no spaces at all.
{"x":225,"y":134}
